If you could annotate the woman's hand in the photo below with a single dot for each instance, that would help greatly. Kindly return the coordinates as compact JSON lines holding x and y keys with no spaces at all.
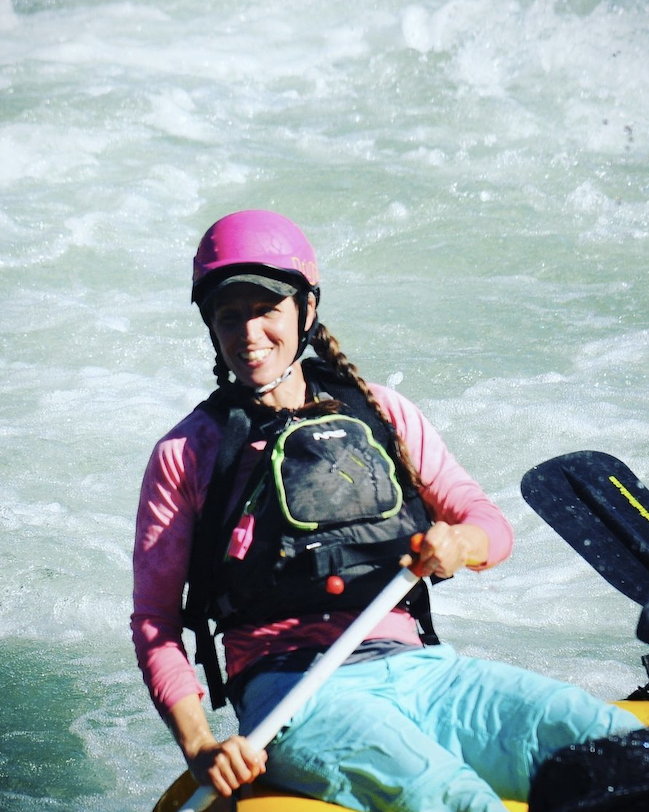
{"x":446,"y":548}
{"x":226,"y":765}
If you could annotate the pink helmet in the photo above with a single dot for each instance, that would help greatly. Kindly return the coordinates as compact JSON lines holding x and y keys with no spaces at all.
{"x":254,"y":246}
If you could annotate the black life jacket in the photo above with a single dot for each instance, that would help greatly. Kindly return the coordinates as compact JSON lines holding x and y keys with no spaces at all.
{"x":329,"y":497}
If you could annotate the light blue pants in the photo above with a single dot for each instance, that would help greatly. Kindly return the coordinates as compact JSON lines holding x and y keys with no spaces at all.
{"x":424,"y":731}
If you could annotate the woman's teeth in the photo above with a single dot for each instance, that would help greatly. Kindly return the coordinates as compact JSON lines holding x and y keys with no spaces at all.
{"x":255,"y":355}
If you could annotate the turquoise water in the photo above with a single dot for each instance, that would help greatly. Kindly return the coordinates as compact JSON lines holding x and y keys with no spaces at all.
{"x":474,"y":176}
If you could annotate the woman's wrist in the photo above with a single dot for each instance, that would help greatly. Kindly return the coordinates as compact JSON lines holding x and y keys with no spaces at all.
{"x":478,"y":552}
{"x":189,"y":726}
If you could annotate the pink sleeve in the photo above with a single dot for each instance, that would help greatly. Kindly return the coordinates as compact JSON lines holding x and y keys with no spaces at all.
{"x":171,"y":500}
{"x":172,"y":494}
{"x":451,"y":493}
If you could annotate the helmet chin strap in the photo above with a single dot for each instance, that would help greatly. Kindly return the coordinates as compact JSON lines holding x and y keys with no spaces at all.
{"x":268,"y":387}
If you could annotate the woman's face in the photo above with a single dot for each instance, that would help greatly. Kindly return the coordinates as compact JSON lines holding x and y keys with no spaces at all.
{"x":257,"y":332}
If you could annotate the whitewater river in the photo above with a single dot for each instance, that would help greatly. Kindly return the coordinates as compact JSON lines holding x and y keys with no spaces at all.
{"x":474,"y":177}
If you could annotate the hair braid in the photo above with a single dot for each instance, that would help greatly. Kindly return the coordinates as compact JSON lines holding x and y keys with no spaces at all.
{"x":220,"y":367}
{"x":328,"y":349}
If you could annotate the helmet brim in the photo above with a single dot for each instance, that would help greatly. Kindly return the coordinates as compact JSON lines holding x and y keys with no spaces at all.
{"x":281,"y":281}
{"x":273,"y":285}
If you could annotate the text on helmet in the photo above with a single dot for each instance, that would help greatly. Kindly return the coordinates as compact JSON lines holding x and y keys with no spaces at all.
{"x":307,"y":267}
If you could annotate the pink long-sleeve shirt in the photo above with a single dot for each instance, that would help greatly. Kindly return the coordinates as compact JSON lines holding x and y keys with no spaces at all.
{"x":171,"y":500}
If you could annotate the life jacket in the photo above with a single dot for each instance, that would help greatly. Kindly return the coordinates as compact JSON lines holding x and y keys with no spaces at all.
{"x":329,"y":498}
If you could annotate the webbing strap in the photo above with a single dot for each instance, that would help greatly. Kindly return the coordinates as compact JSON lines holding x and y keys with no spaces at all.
{"x":206,"y":547}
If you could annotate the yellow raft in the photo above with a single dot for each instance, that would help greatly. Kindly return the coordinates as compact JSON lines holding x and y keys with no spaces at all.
{"x":264,"y":799}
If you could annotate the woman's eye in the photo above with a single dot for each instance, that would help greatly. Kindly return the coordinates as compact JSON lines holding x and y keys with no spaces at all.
{"x":225,"y":317}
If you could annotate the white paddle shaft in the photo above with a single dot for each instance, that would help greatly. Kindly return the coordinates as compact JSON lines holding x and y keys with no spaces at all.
{"x":349,"y":640}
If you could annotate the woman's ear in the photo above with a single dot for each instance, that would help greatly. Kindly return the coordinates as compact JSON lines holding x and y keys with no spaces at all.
{"x":310,"y":311}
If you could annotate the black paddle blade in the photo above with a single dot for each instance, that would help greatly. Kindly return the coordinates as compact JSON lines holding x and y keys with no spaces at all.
{"x":599,"y":506}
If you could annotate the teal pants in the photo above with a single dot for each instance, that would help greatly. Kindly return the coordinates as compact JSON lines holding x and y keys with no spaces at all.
{"x":424,"y":731}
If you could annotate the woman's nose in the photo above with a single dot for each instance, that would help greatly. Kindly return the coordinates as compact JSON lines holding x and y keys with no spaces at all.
{"x":252,"y":328}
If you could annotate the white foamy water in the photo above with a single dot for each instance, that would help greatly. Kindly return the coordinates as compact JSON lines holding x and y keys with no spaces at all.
{"x":473,"y":175}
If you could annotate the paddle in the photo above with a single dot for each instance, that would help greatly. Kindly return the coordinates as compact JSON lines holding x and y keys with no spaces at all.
{"x":601,"y":508}
{"x":386,"y":600}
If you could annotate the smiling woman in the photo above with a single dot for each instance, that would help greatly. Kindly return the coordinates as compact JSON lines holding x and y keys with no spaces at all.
{"x":468,"y":174}
{"x":251,"y":270}
{"x":288,"y":501}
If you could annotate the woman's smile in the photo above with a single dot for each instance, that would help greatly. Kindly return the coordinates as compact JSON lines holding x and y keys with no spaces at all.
{"x":255,"y":355}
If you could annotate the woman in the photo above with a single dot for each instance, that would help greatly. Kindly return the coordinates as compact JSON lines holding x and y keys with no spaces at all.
{"x":401,"y":725}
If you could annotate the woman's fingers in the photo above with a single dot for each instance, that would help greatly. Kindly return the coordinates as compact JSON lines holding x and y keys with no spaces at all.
{"x":228,"y":765}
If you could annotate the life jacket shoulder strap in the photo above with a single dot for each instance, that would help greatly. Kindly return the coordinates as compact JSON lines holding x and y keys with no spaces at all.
{"x":322,"y":379}
{"x":205,"y":545}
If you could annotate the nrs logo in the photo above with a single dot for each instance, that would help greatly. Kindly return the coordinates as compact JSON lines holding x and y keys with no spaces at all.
{"x":336,"y":434}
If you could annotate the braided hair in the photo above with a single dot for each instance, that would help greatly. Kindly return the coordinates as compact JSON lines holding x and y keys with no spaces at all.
{"x":327,"y":348}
